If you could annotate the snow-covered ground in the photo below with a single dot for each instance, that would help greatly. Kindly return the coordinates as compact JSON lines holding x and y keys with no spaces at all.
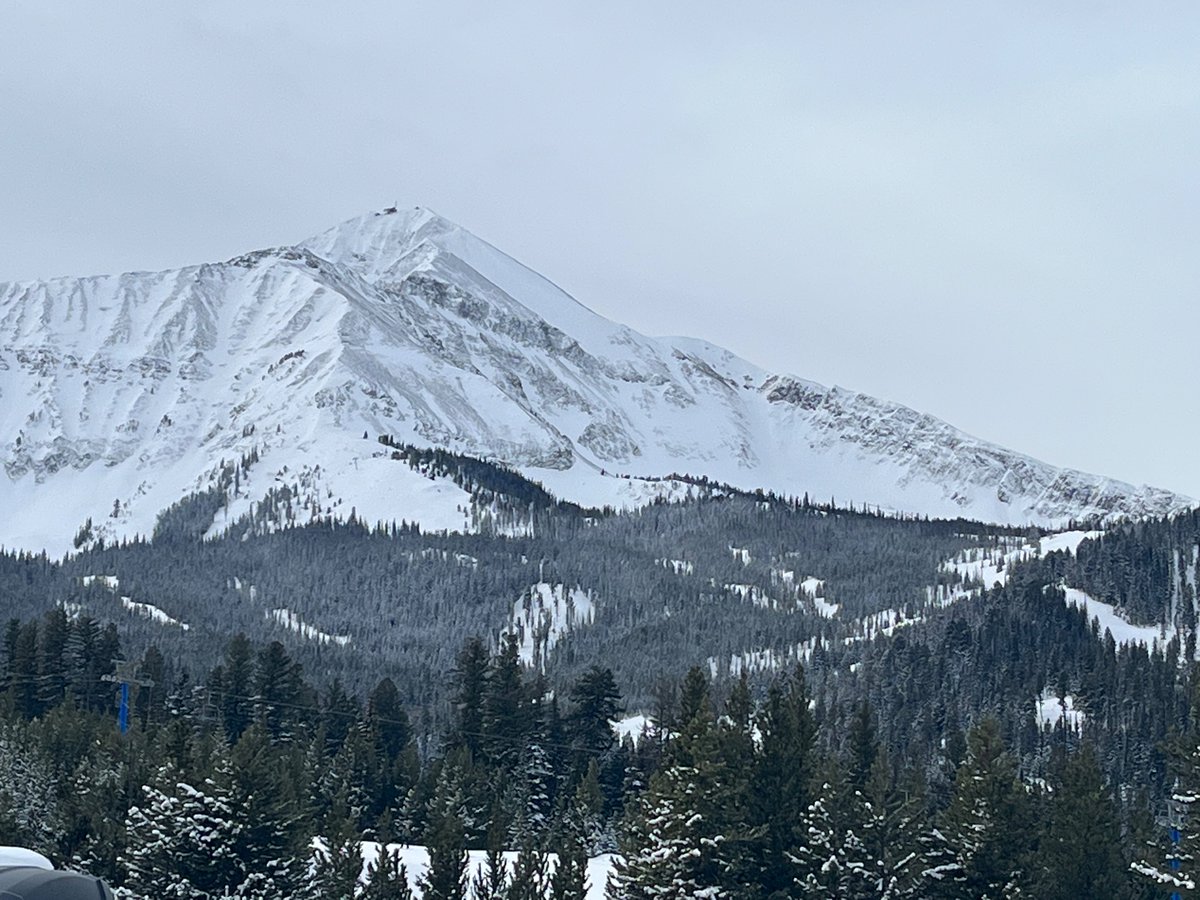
{"x":1050,"y":710}
{"x":109,"y":581}
{"x":146,"y":610}
{"x":293,"y":622}
{"x":1123,"y":631}
{"x":678,"y":566}
{"x":546,"y":612}
{"x":989,"y":566}
{"x":981,"y":568}
{"x":742,"y":555}
{"x":765,"y":659}
{"x":814,"y":589}
{"x":632,"y":727}
{"x":152,"y":612}
{"x":415,"y":859}
{"x":123,"y":394}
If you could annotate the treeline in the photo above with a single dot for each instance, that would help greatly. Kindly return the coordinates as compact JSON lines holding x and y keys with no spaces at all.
{"x":223,"y":780}
{"x":408,"y":600}
{"x":746,"y":805}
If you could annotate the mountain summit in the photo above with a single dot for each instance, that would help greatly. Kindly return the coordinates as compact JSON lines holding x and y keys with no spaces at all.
{"x":122,"y":394}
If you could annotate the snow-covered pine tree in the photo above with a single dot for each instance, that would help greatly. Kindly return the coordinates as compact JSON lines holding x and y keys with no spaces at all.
{"x":987,"y":824}
{"x":876,"y":819}
{"x":181,"y":841}
{"x":831,"y":860}
{"x":528,"y":880}
{"x":268,"y":843}
{"x":387,"y":877}
{"x":674,"y":841}
{"x":338,"y":863}
{"x":569,"y":881}
{"x":29,"y":810}
{"x":446,"y":878}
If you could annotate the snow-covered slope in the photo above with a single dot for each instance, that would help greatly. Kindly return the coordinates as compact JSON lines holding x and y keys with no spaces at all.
{"x":120,"y":394}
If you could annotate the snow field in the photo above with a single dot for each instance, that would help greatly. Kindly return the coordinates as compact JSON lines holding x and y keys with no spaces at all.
{"x":546,"y":612}
{"x":415,"y":859}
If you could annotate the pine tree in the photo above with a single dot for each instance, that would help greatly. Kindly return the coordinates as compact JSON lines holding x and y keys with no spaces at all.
{"x":569,"y":881}
{"x":22,"y":670}
{"x":278,"y":685}
{"x":52,"y":680}
{"x":675,"y":842}
{"x":780,"y":794}
{"x":831,"y":861}
{"x":528,"y":881}
{"x":585,"y":814}
{"x":446,"y":878}
{"x":181,"y":841}
{"x":231,"y":684}
{"x":1079,"y":852}
{"x":269,"y":843}
{"x":987,"y":823}
{"x":588,"y":729}
{"x":507,"y":717}
{"x":470,"y":679}
{"x":387,"y":877}
{"x":338,"y":863}
{"x":491,"y":881}
{"x":30,"y":813}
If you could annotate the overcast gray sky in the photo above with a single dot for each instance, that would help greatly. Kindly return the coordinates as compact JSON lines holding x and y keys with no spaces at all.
{"x":987,"y":211}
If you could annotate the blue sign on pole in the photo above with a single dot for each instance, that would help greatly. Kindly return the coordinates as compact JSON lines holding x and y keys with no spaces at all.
{"x":123,"y":716}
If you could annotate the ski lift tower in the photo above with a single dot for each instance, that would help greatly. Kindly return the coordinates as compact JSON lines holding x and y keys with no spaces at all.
{"x":126,"y":676}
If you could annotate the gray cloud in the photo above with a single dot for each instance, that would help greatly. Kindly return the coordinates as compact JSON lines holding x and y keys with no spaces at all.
{"x":986,"y":211}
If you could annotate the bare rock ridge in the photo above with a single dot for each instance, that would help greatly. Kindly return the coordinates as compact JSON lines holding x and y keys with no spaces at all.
{"x":121,"y":394}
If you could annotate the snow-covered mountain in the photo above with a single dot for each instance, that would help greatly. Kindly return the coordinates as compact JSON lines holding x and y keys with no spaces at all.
{"x":121,"y":394}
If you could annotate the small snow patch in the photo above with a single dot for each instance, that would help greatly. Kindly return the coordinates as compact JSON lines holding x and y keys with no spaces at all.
{"x":109,"y":581}
{"x":632,"y":727}
{"x":415,"y":860}
{"x":152,"y":612}
{"x":290,"y":620}
{"x":678,"y":566}
{"x":1051,"y":710}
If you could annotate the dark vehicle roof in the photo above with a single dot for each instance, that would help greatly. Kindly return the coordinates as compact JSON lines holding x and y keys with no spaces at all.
{"x":27,"y":883}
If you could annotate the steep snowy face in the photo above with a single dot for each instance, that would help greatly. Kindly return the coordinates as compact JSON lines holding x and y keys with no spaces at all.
{"x":119,"y":395}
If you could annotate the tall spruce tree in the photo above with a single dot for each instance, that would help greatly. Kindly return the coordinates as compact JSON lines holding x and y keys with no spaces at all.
{"x":988,"y":823}
{"x":780,"y":786}
{"x":528,"y":880}
{"x":446,"y":878}
{"x":491,"y":880}
{"x":387,"y":877}
{"x":1079,"y":853}
{"x":682,"y":838}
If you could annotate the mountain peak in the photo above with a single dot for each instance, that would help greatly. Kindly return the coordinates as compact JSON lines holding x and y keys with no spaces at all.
{"x":373,"y":243}
{"x":124,"y":393}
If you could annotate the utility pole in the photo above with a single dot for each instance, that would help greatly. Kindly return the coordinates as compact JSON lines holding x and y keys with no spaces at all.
{"x":126,"y":676}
